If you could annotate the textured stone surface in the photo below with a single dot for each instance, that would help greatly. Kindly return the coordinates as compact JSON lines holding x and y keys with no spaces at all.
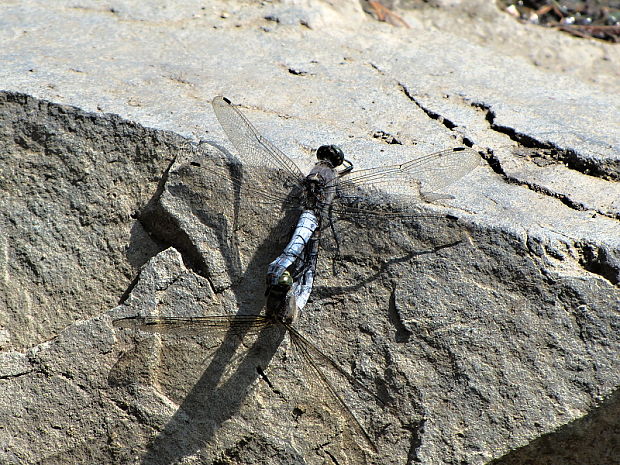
{"x":72,"y":183}
{"x":501,"y":347}
{"x":593,"y":438}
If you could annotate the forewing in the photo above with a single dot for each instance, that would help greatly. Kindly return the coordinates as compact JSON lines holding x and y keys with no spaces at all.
{"x":253,"y":149}
{"x":422,"y":176}
{"x":258,"y":185}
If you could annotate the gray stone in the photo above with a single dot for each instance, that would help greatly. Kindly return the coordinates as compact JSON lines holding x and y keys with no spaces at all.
{"x":494,"y":337}
{"x":72,"y":184}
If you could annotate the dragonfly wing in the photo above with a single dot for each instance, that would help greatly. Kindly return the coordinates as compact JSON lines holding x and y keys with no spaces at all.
{"x":352,"y":208}
{"x":240,"y":218}
{"x":421,"y":176}
{"x":241,"y":324}
{"x":268,"y":181}
{"x":266,"y":191}
{"x":318,"y":364}
{"x":252,"y":147}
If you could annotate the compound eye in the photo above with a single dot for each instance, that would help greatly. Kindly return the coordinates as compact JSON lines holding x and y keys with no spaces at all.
{"x":331,"y":153}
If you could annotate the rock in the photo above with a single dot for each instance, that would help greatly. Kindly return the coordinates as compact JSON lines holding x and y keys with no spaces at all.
{"x":73,"y":183}
{"x":490,"y":337}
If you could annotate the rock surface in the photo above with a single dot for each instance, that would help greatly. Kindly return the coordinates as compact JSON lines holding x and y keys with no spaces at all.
{"x":502,"y":347}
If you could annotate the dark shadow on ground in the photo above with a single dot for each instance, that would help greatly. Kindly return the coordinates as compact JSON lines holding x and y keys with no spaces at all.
{"x":590,"y":440}
{"x":210,"y":403}
{"x":218,"y":394}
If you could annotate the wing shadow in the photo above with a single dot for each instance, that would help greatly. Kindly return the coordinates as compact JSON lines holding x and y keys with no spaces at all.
{"x":210,"y":401}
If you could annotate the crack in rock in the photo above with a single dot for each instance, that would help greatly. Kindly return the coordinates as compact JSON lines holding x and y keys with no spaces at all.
{"x":566,"y":156}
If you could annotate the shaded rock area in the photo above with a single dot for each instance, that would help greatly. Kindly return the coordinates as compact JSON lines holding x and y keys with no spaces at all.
{"x":487,"y":336}
{"x":73,"y":183}
{"x":594,"y":438}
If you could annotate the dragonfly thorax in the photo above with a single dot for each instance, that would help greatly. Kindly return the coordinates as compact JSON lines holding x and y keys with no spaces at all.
{"x":318,"y":186}
{"x":331,"y":153}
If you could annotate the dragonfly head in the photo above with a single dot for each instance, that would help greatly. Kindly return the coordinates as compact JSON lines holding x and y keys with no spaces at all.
{"x":331,"y":153}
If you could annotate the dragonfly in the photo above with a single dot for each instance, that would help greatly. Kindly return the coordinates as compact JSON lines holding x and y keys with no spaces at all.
{"x":331,"y":189}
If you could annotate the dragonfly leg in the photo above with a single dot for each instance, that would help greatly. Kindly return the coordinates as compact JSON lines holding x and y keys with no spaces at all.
{"x":347,"y":169}
{"x":337,"y":257}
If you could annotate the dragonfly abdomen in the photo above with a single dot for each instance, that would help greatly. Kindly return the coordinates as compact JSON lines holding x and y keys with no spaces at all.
{"x":306,"y":226}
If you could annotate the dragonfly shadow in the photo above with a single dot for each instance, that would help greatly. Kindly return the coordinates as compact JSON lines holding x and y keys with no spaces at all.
{"x":332,"y":291}
{"x":220,"y":225}
{"x":232,"y":368}
{"x":201,"y":211}
{"x":210,"y":401}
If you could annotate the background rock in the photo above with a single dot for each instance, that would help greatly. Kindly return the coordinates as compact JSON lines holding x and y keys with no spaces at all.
{"x":506,"y":339}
